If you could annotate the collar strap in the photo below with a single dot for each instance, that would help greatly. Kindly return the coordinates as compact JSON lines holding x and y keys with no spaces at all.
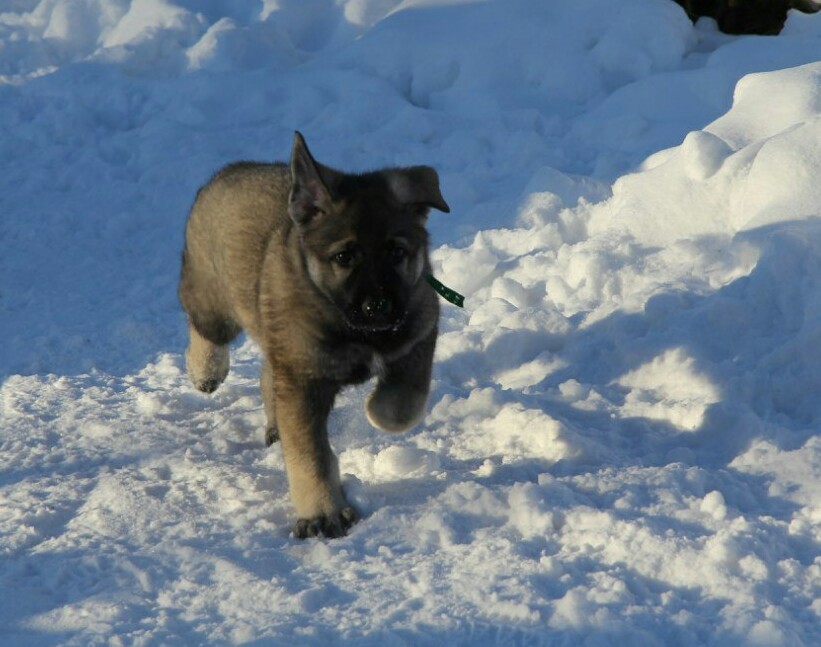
{"x":444,"y":291}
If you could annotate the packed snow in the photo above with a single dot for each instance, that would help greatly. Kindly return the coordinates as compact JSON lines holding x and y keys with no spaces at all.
{"x":621,"y":442}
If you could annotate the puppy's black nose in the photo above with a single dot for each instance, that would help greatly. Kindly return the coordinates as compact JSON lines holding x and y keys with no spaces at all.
{"x":376,"y":307}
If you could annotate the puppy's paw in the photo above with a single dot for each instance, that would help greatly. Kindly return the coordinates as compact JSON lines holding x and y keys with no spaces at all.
{"x":207,"y":365}
{"x":330,"y":526}
{"x":271,"y":435}
{"x":206,"y":386}
{"x":394,"y":408}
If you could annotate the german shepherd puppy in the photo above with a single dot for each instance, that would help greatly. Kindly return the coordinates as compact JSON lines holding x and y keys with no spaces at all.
{"x":325,"y":270}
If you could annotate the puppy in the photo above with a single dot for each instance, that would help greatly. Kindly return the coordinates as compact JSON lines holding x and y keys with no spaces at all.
{"x":325,"y":270}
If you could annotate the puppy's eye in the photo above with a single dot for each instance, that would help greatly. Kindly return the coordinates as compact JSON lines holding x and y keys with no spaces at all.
{"x":398,"y":254}
{"x":343,"y":258}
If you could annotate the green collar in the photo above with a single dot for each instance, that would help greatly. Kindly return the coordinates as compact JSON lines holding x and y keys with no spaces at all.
{"x":444,"y":291}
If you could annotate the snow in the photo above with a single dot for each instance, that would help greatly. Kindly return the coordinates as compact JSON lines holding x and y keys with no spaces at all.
{"x":621,"y":443}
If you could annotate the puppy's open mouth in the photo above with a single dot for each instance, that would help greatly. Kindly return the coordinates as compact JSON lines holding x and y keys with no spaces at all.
{"x":374,"y":326}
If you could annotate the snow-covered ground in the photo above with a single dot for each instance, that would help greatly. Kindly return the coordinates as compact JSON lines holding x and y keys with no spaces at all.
{"x":621,"y":446}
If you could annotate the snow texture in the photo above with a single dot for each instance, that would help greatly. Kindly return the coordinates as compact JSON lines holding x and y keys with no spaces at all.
{"x":621,"y":444}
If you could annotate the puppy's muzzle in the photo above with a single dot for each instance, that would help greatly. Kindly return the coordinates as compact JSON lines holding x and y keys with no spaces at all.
{"x":376,"y":308}
{"x":376,"y":314}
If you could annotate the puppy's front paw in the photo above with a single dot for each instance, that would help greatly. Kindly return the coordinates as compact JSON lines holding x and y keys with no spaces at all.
{"x":330,"y":526}
{"x":394,"y":408}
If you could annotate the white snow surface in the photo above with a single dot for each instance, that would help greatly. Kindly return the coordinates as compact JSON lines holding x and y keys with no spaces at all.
{"x":622,"y":443}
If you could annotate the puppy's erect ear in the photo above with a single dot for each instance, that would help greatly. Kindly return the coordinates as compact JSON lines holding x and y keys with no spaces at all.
{"x":417,"y":185}
{"x":310,"y":193}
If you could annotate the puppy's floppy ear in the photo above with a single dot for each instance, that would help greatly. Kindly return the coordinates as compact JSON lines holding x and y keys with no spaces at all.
{"x":311,"y":184}
{"x":417,"y":185}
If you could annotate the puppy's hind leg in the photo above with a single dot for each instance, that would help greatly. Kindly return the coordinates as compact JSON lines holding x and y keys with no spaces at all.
{"x":206,"y":361}
{"x":266,"y":386}
{"x":210,"y":325}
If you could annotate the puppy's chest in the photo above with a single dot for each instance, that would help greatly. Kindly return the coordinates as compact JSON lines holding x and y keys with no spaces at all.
{"x":350,"y":363}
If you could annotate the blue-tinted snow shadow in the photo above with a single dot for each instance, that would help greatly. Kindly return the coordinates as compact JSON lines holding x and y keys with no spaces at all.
{"x":92,"y":225}
{"x":134,"y":581}
{"x":103,"y":161}
{"x":752,"y":340}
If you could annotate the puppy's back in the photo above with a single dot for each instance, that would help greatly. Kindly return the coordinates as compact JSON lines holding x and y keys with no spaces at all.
{"x":229,"y":229}
{"x":244,"y":195}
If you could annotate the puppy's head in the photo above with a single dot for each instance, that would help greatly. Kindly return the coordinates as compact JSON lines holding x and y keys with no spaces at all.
{"x":364,"y":241}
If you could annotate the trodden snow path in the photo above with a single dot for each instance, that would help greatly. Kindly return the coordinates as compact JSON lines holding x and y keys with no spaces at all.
{"x":621,"y":445}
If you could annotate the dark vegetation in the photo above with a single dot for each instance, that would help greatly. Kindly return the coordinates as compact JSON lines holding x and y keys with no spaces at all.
{"x":747,"y":16}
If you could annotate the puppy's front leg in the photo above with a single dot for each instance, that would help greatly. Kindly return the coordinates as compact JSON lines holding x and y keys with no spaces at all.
{"x":302,"y":408}
{"x":401,"y":394}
